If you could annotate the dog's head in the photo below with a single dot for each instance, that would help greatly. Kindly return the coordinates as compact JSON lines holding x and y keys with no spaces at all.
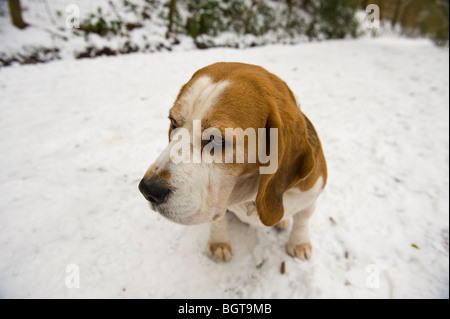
{"x":220,"y":130}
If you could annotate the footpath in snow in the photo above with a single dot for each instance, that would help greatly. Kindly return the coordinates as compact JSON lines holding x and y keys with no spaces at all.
{"x":78,"y":135}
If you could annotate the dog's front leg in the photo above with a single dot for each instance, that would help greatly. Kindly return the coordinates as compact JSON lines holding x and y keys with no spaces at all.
{"x":299,"y":245}
{"x":219,"y":247}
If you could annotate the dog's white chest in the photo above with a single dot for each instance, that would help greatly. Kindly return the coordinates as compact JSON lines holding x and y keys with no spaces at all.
{"x":294,"y":201}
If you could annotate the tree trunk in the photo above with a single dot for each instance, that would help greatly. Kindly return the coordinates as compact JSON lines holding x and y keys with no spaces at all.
{"x":15,"y":11}
{"x":289,"y":13}
{"x":172,"y":7}
{"x":396,"y":16}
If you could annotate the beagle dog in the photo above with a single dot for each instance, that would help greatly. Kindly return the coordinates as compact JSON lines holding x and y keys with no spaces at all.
{"x":237,"y":95}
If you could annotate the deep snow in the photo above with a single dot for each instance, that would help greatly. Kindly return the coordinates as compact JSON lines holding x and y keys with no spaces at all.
{"x":77,"y":136}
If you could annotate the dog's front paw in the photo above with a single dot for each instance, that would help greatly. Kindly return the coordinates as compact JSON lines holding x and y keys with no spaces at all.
{"x":302,"y":252}
{"x":219,"y":251}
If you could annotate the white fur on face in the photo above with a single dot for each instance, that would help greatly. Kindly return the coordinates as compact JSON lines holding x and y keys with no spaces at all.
{"x":199,"y":191}
{"x":200,"y":97}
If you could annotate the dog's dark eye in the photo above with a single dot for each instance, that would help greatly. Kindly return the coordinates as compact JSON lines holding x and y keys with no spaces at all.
{"x":174,"y":124}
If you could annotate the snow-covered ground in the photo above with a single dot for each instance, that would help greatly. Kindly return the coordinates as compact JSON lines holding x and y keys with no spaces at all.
{"x":76,"y":136}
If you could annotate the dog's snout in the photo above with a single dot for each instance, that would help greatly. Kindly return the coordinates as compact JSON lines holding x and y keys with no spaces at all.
{"x":153,"y":191}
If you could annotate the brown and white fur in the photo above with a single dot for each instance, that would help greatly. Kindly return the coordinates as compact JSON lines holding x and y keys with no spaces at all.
{"x":237,"y":95}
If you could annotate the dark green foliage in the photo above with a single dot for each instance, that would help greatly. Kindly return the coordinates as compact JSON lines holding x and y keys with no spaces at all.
{"x":204,"y":20}
{"x":96,"y":23}
{"x":330,"y":18}
{"x":333,"y":19}
{"x":212,"y":17}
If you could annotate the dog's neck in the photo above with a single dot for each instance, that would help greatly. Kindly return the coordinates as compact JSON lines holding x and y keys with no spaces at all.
{"x":245,"y":189}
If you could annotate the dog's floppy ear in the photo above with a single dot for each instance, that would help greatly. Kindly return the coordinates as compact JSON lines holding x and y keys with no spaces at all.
{"x":295,"y":162}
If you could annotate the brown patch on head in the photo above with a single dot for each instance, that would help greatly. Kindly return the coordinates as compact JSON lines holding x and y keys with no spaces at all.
{"x":242,"y":105}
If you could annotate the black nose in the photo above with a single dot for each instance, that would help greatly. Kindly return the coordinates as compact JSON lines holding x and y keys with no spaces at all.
{"x":153,"y":191}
